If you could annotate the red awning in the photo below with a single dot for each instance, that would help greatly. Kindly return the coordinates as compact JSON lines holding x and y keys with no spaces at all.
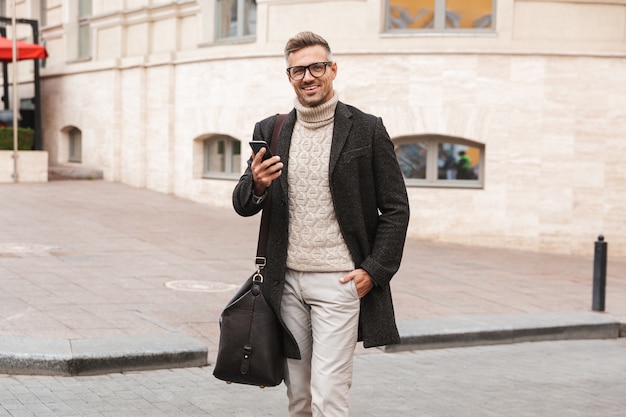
{"x":24,"y":50}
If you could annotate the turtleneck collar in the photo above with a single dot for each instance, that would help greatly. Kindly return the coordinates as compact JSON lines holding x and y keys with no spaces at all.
{"x":318,"y":116}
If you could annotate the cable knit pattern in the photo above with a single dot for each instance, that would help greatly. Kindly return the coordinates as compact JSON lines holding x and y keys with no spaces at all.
{"x":315,"y":240}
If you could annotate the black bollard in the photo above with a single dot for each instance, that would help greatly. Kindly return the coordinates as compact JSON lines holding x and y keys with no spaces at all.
{"x":599,"y":274}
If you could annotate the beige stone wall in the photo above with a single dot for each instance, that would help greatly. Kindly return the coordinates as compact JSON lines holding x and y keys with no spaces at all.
{"x":32,"y":166}
{"x":545,"y":94}
{"x":554,"y":129}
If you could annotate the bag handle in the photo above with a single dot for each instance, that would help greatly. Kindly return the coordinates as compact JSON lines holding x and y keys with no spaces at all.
{"x":265,"y":216}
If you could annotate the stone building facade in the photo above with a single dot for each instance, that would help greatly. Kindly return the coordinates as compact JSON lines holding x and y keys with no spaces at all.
{"x":165,"y":94}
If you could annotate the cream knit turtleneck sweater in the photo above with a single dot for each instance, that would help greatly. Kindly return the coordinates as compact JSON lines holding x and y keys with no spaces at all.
{"x":315,"y":240}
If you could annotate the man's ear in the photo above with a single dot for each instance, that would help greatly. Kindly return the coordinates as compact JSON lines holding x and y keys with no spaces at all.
{"x":333,"y":69}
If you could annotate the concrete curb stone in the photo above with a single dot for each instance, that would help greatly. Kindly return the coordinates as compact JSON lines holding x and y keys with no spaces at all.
{"x":62,"y":357}
{"x":462,"y":331}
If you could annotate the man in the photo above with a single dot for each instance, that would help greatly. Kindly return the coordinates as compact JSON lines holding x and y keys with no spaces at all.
{"x":339,"y":214}
{"x":464,"y":167}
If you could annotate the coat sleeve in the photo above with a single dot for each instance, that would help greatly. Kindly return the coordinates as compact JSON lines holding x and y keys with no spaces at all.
{"x":393,"y":205}
{"x":242,"y":194}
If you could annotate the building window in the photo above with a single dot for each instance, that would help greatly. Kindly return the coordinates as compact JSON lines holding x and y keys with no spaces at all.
{"x":440,"y":15}
{"x":43,"y":13}
{"x":75,"y":145}
{"x":442,"y":161}
{"x":84,"y":29}
{"x":235,"y":18}
{"x":222,"y":157}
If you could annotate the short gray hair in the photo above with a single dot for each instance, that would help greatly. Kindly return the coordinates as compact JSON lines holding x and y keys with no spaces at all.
{"x":305,"y":39}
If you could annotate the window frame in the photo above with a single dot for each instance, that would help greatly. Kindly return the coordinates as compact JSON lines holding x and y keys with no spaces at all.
{"x":432,"y":142}
{"x":243,"y":14}
{"x":43,"y":13}
{"x":75,"y":145}
{"x":439,"y":22}
{"x":232,"y":168}
{"x":85,"y":11}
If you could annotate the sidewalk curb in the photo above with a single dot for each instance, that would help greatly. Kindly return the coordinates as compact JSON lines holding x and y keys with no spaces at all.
{"x":62,"y":357}
{"x":463,"y":331}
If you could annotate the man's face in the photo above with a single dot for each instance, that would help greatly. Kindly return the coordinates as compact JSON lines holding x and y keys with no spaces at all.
{"x":312,"y":91}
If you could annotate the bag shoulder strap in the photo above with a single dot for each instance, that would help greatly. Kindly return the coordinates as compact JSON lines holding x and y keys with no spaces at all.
{"x":265,"y":216}
{"x":278,"y":127}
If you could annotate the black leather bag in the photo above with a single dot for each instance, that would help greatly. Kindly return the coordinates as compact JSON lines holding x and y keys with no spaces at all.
{"x":251,"y":336}
{"x":251,"y":342}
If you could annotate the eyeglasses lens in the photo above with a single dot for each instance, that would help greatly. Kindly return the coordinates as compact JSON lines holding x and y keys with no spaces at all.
{"x":317,"y":70}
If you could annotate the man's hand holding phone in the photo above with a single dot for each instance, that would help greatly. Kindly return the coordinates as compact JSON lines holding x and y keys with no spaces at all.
{"x":265,"y":167}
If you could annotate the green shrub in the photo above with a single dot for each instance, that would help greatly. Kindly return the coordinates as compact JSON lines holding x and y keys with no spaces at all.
{"x":25,"y":137}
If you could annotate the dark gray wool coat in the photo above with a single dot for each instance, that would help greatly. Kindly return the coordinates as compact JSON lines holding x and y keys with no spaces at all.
{"x":371,"y":205}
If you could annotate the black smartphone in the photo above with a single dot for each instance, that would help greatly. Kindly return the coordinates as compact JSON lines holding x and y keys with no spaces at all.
{"x":256,"y":146}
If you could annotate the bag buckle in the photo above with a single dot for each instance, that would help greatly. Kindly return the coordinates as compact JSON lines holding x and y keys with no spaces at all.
{"x":260,"y":262}
{"x":245,"y":361}
{"x":257,"y":278}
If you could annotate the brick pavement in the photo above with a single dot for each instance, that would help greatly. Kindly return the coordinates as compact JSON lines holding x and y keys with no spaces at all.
{"x":90,"y":259}
{"x":93,"y":259}
{"x":556,"y":379}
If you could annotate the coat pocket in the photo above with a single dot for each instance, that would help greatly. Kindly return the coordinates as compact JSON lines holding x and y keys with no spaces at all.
{"x":353,"y":154}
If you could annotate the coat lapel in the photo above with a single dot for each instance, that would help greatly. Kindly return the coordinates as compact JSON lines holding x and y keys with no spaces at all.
{"x":343,"y":124}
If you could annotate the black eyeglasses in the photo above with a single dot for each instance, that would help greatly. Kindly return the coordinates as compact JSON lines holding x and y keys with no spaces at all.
{"x":316,"y":69}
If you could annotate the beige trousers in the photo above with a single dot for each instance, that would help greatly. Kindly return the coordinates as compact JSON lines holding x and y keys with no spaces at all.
{"x":323,"y":315}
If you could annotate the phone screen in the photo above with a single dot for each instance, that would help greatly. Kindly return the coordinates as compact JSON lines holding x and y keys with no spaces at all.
{"x":256,"y":146}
